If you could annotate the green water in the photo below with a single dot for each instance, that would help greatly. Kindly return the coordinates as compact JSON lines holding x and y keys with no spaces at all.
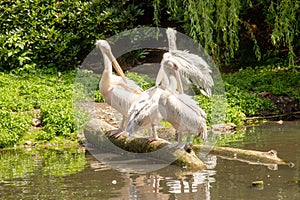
{"x":48,"y":174}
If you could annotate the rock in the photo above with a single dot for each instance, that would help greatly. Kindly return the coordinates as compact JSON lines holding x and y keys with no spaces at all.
{"x":226,"y":128}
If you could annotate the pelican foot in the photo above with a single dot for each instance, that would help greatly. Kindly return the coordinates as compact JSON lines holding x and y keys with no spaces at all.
{"x":176,"y":145}
{"x":188,"y":147}
{"x":151,"y":139}
{"x":115,"y":133}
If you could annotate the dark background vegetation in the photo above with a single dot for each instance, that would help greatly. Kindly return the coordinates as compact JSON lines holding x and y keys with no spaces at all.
{"x":43,"y":34}
{"x":259,"y":40}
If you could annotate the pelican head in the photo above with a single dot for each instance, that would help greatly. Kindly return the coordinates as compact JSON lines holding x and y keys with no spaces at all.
{"x":106,"y":50}
{"x":169,"y":67}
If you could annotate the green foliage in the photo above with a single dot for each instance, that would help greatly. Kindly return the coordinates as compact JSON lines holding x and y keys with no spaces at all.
{"x":40,"y":33}
{"x":249,"y":103}
{"x":220,"y":25}
{"x":142,"y":80}
{"x":12,"y":127}
{"x":99,"y":97}
{"x":284,"y":16}
{"x":242,"y":93}
{"x":216,"y":107}
{"x":29,"y":93}
{"x":277,"y":80}
{"x":57,"y":118}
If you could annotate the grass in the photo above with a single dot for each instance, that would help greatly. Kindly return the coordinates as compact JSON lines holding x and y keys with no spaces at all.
{"x":38,"y":94}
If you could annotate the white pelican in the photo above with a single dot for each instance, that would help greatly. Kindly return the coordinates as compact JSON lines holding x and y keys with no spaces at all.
{"x":118,"y":91}
{"x":193,"y":68}
{"x":144,"y":113}
{"x":181,"y":110}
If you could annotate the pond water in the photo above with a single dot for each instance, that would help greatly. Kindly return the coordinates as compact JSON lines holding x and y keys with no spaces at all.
{"x":49,"y":174}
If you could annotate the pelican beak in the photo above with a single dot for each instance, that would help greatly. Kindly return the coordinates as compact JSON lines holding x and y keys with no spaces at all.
{"x":160,"y":76}
{"x":178,"y":80}
{"x":118,"y":69}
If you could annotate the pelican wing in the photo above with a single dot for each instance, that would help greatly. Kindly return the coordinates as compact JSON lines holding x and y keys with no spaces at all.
{"x":130,"y":85}
{"x":122,"y":98}
{"x":185,"y":117}
{"x":191,"y":103}
{"x":144,"y":111}
{"x":194,"y":70}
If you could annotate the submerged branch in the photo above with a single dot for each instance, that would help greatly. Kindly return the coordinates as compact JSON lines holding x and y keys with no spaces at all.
{"x":269,"y":157}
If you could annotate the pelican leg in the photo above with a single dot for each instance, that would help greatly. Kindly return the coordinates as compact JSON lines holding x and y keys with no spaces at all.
{"x":116,"y":133}
{"x":188,"y":145}
{"x":177,"y":145}
{"x":154,"y":135}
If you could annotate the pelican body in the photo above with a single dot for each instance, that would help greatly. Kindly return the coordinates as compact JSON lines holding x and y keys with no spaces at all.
{"x":181,"y":110}
{"x":118,"y":91}
{"x":144,"y":113}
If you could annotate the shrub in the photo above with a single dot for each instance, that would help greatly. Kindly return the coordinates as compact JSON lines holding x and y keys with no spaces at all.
{"x":13,"y":126}
{"x":40,"y":33}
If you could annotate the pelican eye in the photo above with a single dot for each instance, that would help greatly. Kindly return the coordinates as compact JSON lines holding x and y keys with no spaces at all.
{"x":175,"y":67}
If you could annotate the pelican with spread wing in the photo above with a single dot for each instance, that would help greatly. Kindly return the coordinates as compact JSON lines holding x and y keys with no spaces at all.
{"x":144,"y":113}
{"x":193,"y":68}
{"x":118,"y":91}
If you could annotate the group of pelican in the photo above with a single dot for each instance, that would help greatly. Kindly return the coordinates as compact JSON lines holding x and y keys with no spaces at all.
{"x":166,"y":100}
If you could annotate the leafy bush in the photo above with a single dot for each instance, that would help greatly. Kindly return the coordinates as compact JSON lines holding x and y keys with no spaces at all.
{"x":249,"y":104}
{"x":40,"y":33}
{"x":223,"y":111}
{"x":142,"y":80}
{"x":277,"y":80}
{"x":57,"y":118}
{"x":13,"y":126}
{"x":28,"y":93}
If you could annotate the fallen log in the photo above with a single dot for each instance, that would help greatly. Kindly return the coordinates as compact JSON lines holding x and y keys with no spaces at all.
{"x":269,"y":157}
{"x":97,"y":133}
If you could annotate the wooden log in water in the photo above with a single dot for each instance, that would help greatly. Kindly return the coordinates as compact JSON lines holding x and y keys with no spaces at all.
{"x":269,"y":157}
{"x":97,"y":133}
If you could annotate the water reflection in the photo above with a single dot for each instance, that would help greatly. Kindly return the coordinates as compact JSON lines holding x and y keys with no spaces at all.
{"x":78,"y":175}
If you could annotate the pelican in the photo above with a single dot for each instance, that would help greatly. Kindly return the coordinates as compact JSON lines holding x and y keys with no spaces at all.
{"x":118,"y":91}
{"x":181,"y":110}
{"x":144,"y":113}
{"x":193,"y":68}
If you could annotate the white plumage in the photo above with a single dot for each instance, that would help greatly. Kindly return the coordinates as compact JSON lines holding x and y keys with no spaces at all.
{"x":181,"y":110}
{"x":118,"y":91}
{"x":193,"y":68}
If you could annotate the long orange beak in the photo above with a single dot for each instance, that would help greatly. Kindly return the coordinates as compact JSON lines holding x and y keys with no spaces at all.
{"x":118,"y":69}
